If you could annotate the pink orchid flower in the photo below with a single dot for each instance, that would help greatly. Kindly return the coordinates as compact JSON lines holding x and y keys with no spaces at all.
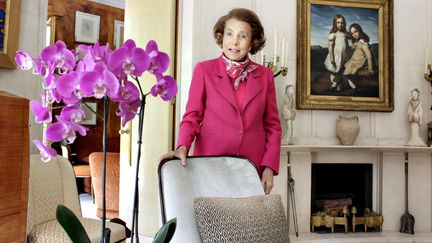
{"x":42,"y":114}
{"x":99,"y":83}
{"x":128,"y":60}
{"x":73,"y":113}
{"x":58,"y":52}
{"x":166,"y":87}
{"x":128,"y":110}
{"x":24,"y":60}
{"x":68,"y":86}
{"x":46,"y":152}
{"x":64,"y":130}
{"x":159,"y":61}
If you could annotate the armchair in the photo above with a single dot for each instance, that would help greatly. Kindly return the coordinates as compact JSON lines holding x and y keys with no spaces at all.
{"x":50,"y":184}
{"x":232,"y":187}
{"x":112,"y":181}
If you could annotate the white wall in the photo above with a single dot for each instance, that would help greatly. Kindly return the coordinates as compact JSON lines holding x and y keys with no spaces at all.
{"x":31,"y":39}
{"x":314,"y":126}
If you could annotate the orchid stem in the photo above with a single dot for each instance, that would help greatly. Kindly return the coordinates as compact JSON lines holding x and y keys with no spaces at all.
{"x":57,"y":107}
{"x":134,"y":229}
{"x":106,"y":108}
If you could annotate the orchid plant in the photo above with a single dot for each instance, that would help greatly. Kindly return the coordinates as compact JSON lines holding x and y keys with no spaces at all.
{"x":99,"y":72}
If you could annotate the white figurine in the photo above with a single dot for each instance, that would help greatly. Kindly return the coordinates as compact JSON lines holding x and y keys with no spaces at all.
{"x":289,"y":114}
{"x":415,"y":118}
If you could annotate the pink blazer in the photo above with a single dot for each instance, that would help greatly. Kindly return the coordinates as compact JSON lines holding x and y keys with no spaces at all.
{"x":219,"y":127}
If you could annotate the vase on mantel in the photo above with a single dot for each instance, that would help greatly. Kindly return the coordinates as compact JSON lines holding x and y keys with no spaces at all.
{"x":347,"y":129}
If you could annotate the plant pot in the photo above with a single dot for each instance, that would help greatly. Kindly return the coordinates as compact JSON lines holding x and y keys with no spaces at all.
{"x":347,"y":129}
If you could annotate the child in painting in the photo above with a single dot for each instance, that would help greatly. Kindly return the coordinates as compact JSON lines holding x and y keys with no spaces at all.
{"x":360,"y":62}
{"x":337,"y":44}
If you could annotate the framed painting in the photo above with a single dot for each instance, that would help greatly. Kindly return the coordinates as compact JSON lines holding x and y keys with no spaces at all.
{"x":118,"y":33}
{"x":86,"y":27}
{"x":345,"y":51}
{"x":9,"y":32}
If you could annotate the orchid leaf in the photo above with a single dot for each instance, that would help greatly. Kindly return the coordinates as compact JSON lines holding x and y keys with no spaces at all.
{"x":71,"y":225}
{"x":166,"y":233}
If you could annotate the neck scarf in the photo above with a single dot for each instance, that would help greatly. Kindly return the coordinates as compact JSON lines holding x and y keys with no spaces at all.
{"x":238,"y":70}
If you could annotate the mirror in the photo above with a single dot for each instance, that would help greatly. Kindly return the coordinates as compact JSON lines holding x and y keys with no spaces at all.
{"x":9,"y":27}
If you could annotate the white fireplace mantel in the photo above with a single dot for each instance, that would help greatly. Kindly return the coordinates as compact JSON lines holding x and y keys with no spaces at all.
{"x":388,"y":182}
{"x":345,"y":148}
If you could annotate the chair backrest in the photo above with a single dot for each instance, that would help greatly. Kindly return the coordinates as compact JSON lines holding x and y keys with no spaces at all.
{"x":112,"y":182}
{"x":203,"y":176}
{"x":50,"y":184}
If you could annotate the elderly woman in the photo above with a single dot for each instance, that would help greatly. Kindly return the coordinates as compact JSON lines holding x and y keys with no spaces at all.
{"x":231,"y":109}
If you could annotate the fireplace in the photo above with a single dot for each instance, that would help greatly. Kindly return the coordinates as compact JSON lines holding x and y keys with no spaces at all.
{"x":388,"y":184}
{"x":336,"y":185}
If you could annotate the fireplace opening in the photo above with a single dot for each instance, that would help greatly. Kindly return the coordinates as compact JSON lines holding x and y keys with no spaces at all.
{"x":337,"y":185}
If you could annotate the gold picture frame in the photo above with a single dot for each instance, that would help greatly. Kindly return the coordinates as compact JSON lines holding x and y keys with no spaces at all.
{"x":352,"y":86}
{"x":11,"y":34}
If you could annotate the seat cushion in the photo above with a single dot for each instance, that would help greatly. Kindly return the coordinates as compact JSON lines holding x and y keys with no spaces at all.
{"x":52,"y":231}
{"x":251,"y":219}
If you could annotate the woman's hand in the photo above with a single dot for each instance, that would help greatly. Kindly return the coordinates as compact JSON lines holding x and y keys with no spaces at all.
{"x":267,"y":180}
{"x":180,"y":153}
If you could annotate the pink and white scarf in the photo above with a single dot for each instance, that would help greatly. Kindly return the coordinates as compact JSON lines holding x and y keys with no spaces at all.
{"x":238,"y":70}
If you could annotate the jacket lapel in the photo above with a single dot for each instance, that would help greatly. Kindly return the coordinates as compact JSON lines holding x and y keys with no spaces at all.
{"x":253,"y":87}
{"x":223,"y":84}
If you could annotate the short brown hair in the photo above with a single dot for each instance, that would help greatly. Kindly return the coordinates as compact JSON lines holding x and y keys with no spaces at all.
{"x":245,"y":15}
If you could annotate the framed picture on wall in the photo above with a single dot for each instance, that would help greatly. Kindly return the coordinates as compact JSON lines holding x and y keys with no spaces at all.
{"x":91,"y":117}
{"x":86,"y":27}
{"x":118,"y":33}
{"x":10,"y":11}
{"x":345,"y":51}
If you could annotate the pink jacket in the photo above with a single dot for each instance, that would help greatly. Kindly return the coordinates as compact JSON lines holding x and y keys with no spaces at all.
{"x":219,"y":127}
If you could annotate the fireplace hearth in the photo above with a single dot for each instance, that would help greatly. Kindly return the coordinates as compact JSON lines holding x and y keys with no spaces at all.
{"x":337,"y":189}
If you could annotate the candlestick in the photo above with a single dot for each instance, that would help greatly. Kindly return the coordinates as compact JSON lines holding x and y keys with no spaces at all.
{"x":286,"y":53}
{"x":426,"y":71}
{"x":262,"y":57}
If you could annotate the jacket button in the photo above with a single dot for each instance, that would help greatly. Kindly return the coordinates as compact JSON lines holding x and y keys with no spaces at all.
{"x":239,"y":132}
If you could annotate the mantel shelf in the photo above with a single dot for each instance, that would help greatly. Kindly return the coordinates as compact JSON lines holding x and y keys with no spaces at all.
{"x":353,"y":148}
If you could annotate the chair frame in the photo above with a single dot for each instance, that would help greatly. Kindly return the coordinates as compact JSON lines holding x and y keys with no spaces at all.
{"x":160,"y":179}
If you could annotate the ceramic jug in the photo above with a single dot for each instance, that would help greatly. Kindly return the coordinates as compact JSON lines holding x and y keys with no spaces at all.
{"x":347,"y":129}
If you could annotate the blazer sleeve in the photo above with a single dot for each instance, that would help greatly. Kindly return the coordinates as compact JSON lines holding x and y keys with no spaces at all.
{"x":272,"y":128}
{"x":191,"y":122}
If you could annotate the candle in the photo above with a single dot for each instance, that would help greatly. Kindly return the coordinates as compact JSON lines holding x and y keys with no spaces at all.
{"x":283,"y":52}
{"x":427,"y":60}
{"x":262,"y":57}
{"x":275,"y":47}
{"x":286,"y":51}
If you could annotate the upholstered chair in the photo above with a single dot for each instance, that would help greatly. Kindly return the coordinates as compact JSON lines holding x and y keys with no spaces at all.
{"x":111,"y":185}
{"x":51,"y":184}
{"x":219,"y":199}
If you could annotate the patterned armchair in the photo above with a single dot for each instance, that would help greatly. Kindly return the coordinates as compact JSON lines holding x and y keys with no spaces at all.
{"x":50,"y":184}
